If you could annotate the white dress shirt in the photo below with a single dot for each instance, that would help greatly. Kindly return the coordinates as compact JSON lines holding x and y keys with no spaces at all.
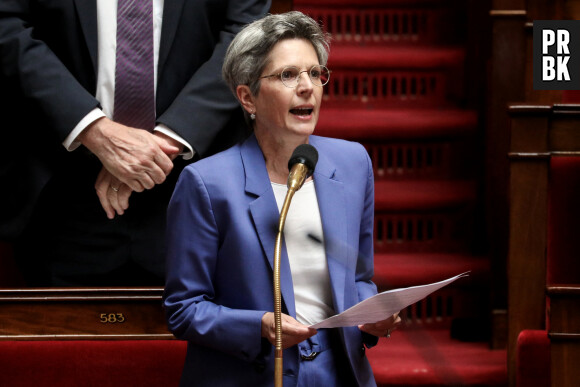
{"x":107,"y":46}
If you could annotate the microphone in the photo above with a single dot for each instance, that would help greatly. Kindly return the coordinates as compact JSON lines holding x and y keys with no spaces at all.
{"x":301,"y":165}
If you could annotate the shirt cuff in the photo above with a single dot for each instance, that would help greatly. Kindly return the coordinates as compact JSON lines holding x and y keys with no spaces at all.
{"x":70,"y":142}
{"x":188,"y":151}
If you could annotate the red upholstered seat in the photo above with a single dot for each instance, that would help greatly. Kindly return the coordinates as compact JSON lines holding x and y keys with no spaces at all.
{"x":533,"y":359}
{"x":140,"y":363}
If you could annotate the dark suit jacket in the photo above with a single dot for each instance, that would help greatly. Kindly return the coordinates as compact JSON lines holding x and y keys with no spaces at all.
{"x":48,"y":69}
{"x":221,"y":236}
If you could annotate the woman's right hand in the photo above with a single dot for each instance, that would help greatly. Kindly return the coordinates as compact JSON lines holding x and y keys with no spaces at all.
{"x":293,"y":332}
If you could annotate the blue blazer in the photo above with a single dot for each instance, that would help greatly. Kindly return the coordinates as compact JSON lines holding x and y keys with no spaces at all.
{"x":222,"y":230}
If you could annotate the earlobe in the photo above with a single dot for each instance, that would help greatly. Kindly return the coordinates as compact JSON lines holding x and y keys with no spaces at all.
{"x":246,"y":99}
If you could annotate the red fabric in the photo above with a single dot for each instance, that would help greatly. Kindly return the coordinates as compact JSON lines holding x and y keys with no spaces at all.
{"x":394,"y":271}
{"x":571,"y":96}
{"x":91,"y":363}
{"x":362,"y":124}
{"x":401,"y":57}
{"x":352,"y":4}
{"x":429,"y":357}
{"x":533,"y":359}
{"x":563,"y":265}
{"x":418,"y":195}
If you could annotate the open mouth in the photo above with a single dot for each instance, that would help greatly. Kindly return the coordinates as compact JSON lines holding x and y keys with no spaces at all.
{"x":302,"y":111}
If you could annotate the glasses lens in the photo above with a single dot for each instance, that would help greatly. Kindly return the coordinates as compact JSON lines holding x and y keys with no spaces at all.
{"x":289,"y":76}
{"x":319,"y":75}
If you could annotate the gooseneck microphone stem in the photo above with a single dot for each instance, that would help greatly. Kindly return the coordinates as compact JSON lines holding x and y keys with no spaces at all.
{"x":278,"y":360}
{"x":301,"y":166}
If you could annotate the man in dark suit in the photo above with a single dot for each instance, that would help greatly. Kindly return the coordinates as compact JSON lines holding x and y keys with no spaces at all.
{"x":83,"y":196}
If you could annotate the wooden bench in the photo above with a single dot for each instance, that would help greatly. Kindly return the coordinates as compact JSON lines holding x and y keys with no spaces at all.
{"x":543,"y":265}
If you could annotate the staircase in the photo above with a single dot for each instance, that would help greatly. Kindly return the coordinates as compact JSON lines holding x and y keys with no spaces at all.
{"x":398,"y":87}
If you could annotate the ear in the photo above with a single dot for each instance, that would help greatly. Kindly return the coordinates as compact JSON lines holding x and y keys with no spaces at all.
{"x":246,"y":99}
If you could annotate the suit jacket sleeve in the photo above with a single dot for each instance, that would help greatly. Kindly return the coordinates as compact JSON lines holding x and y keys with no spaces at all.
{"x":39,"y":75}
{"x":191,"y":260}
{"x":206,"y":102}
{"x":365,"y":264}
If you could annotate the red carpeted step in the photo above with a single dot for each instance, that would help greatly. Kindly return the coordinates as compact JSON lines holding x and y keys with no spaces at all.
{"x":362,"y":124}
{"x":421,"y":195}
{"x":359,"y":3}
{"x":394,"y":271}
{"x":423,"y":215}
{"x":425,"y":357}
{"x":408,"y":58}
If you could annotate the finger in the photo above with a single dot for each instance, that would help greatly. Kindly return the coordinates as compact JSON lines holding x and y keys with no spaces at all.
{"x":113,"y":196}
{"x":165,"y":145}
{"x":152,"y":174}
{"x":105,"y":203}
{"x":372,"y":330}
{"x":123,"y":196}
{"x":147,"y":181}
{"x":164,"y":163}
{"x":157,"y":176}
{"x":294,"y":334}
{"x":135,"y":185}
{"x":157,"y":163}
{"x":102,"y":186}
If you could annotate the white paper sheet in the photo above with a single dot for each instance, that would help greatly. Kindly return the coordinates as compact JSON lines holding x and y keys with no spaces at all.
{"x":383,"y":305}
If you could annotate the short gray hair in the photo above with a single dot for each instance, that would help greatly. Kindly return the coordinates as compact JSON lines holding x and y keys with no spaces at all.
{"x":247,"y":55}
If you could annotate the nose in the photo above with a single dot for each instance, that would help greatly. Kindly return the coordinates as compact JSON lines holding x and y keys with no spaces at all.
{"x":306,"y":85}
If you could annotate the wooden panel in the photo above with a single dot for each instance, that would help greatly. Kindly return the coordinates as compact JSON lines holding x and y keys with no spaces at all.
{"x":564,"y":335}
{"x":528,"y":211}
{"x":564,"y":310}
{"x":47,"y":314}
{"x":564,"y":133}
{"x":526,"y":256}
{"x":506,"y":85}
{"x":565,"y":357}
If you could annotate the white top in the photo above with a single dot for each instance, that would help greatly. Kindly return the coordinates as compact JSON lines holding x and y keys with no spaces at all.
{"x":312,"y":291}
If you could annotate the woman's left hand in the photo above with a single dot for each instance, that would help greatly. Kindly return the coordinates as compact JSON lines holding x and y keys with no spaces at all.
{"x":382,"y":328}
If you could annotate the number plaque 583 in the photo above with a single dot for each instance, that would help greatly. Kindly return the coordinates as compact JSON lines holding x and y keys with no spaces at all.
{"x":112,"y":318}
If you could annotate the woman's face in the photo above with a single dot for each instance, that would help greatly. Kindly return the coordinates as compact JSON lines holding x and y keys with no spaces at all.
{"x":283,"y":111}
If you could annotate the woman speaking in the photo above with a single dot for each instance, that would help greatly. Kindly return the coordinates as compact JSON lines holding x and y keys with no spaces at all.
{"x":222,"y":228}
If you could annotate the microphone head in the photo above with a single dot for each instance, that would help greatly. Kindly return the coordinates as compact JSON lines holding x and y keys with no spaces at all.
{"x":304,"y":154}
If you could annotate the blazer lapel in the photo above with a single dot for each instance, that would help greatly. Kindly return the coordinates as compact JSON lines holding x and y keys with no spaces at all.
{"x":332,"y":204}
{"x":87,"y":14}
{"x":265,"y":214}
{"x":172,"y":10}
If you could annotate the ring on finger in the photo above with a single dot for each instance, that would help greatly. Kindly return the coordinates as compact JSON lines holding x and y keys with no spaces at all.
{"x":388,"y":333}
{"x":115,"y":189}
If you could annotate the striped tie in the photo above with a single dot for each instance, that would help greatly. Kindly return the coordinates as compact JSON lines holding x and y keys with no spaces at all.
{"x":134,"y":82}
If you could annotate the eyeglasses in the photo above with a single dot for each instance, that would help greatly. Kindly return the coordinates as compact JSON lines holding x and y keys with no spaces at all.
{"x":290,"y":76}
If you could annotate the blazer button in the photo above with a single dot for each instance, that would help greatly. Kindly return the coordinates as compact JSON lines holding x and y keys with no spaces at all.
{"x":362,"y":350}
